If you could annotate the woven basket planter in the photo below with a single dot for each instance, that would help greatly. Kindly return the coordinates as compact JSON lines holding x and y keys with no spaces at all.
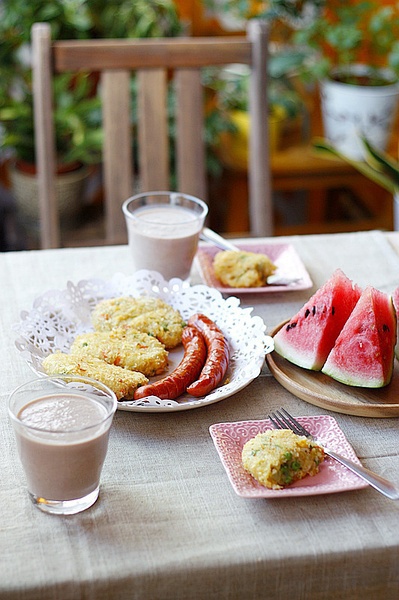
{"x":69,"y":190}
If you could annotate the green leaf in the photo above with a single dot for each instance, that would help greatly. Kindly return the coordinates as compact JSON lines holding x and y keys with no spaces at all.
{"x":327,"y":150}
{"x":380,"y":161}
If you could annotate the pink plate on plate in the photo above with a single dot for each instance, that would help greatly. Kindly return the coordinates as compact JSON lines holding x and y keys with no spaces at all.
{"x":229,"y":439}
{"x":284,"y":256}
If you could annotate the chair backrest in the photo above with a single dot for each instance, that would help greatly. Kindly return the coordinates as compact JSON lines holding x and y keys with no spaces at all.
{"x":153,"y":60}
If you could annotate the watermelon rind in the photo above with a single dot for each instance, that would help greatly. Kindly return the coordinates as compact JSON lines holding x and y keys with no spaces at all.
{"x":307,"y":339}
{"x":364,"y":352}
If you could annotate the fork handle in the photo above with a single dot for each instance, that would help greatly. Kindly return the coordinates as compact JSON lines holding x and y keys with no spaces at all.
{"x":208,"y":235}
{"x":379,"y":483}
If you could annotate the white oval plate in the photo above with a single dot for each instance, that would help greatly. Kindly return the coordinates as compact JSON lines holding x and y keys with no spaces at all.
{"x":59,"y":315}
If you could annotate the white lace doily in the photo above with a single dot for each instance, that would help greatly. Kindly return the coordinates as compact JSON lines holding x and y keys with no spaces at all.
{"x":59,"y":315}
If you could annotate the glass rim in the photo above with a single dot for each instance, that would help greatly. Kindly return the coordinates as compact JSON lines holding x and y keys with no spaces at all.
{"x":54,"y":378}
{"x":201,"y":215}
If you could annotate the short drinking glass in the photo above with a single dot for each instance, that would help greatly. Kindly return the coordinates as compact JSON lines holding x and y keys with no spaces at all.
{"x":62,"y":424}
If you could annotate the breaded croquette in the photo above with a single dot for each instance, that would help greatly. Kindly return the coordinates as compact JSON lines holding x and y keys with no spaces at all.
{"x":144,"y":314}
{"x":242,"y":269}
{"x":279,"y":457}
{"x":164,"y":324}
{"x":122,"y":381}
{"x":113,"y":312}
{"x":137,"y":351}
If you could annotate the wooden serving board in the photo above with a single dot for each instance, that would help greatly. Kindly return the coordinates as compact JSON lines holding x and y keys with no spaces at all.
{"x":323,"y":391}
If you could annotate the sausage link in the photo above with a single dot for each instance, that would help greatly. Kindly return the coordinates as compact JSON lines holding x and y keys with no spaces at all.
{"x":187,"y":371}
{"x":218,"y":356}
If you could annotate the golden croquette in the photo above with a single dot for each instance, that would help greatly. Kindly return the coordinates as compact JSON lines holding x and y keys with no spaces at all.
{"x":279,"y":457}
{"x":137,"y":352}
{"x":144,"y":314}
{"x":121,"y":381}
{"x":242,"y":269}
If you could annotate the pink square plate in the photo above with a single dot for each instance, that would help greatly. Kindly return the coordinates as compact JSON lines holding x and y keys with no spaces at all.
{"x":229,"y":439}
{"x":284,"y":256}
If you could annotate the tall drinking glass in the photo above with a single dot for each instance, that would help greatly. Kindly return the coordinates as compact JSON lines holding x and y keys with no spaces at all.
{"x":163,"y":231}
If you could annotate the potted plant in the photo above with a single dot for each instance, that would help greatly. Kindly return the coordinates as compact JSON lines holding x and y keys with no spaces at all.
{"x":286,"y":100}
{"x":356,"y":62}
{"x":291,"y":13}
{"x":354,"y":51}
{"x":77,"y":103}
{"x":377,"y":165}
{"x":230,"y":88}
{"x":78,"y":138}
{"x":77,"y":118}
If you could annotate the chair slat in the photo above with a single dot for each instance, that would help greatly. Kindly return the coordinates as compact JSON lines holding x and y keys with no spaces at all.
{"x":117,"y":153}
{"x":190,"y":146}
{"x":153,"y":129}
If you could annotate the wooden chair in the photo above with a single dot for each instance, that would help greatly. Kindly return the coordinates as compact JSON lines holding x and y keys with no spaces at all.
{"x":153,"y":60}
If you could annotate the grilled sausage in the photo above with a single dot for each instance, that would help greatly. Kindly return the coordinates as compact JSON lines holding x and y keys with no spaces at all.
{"x":187,"y":371}
{"x":217,"y":358}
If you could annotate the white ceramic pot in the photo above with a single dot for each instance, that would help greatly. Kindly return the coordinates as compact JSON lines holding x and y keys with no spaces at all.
{"x":349,"y":110}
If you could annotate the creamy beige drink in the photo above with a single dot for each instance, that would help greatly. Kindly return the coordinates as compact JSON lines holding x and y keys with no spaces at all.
{"x":59,"y":466}
{"x":62,"y":440}
{"x":163,"y":231}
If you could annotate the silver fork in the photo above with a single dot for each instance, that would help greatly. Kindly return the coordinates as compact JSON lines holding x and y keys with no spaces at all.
{"x":283,"y":420}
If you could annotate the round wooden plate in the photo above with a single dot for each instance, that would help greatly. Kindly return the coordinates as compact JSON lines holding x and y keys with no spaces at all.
{"x":319,"y":389}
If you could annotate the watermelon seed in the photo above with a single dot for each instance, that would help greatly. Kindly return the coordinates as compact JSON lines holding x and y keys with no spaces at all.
{"x":291,"y":326}
{"x":385,"y":327}
{"x":314,"y":311}
{"x":333,"y":310}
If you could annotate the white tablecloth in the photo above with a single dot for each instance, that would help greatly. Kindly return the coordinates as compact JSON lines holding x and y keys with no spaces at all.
{"x":168,"y":524}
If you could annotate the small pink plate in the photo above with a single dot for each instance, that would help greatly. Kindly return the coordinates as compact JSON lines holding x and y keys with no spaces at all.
{"x":284,"y":256}
{"x":229,"y":439}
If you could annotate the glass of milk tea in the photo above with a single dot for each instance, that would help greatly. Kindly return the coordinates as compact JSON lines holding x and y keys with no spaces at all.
{"x":163,"y":231}
{"x":62,"y":424}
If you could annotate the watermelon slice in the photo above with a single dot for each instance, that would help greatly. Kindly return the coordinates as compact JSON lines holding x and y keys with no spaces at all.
{"x":363,"y":354}
{"x":309,"y":336}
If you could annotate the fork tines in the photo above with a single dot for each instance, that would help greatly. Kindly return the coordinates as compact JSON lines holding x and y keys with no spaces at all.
{"x":281,"y":419}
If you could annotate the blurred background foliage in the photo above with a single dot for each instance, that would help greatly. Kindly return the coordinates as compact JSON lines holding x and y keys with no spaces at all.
{"x":78,"y":105}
